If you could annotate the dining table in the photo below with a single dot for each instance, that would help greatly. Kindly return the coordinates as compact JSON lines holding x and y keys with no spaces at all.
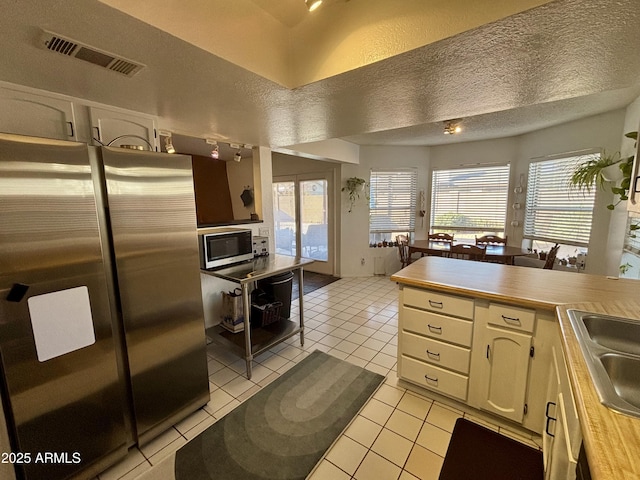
{"x":498,"y":253}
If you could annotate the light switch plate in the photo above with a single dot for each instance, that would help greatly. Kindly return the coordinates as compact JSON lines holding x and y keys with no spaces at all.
{"x":264,"y":232}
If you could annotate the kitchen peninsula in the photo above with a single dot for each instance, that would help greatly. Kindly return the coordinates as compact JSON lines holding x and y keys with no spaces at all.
{"x":479,"y":313}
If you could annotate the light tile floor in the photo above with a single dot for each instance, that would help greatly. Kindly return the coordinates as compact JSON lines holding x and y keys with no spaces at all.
{"x":399,"y":434}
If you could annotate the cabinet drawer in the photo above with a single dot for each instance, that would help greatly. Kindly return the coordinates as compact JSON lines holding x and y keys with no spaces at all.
{"x":448,"y":329}
{"x":438,"y":302}
{"x":435,"y":352}
{"x":434,"y":378}
{"x":512,"y":317}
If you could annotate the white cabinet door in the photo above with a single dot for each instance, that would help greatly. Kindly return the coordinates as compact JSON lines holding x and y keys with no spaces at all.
{"x":505,"y":372}
{"x":118,"y":128}
{"x":25,"y":113}
{"x":550,"y":416}
{"x":561,"y":436}
{"x":562,"y":464}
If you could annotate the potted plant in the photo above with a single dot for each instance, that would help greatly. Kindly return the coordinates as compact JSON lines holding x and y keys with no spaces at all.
{"x":625,"y":268}
{"x":605,"y":168}
{"x":355,"y":186}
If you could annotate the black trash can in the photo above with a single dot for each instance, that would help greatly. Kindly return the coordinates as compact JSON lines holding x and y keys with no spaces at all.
{"x":279,"y":288}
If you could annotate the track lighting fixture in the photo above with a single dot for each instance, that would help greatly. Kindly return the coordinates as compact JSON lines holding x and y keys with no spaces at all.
{"x":215,"y":153}
{"x":312,"y":4}
{"x":168,"y":145}
{"x":451,"y":127}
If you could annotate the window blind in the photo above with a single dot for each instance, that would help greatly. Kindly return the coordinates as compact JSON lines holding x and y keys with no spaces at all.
{"x":470,"y":199}
{"x":553,"y":212}
{"x":392,"y":200}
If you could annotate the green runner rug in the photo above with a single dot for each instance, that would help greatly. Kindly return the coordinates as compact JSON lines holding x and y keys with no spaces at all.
{"x":283,"y":430}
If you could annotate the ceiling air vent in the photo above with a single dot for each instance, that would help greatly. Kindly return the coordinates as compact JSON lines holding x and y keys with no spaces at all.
{"x":72,"y":48}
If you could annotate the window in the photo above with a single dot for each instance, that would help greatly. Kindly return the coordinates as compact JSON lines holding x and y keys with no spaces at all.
{"x":392,"y":203}
{"x":467,"y":202}
{"x":554,"y":213}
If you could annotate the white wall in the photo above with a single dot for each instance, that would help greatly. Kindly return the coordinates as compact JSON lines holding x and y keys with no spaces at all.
{"x":600,"y":131}
{"x":332,"y":149}
{"x":596,"y":132}
{"x":631,"y":124}
{"x":354,"y":242}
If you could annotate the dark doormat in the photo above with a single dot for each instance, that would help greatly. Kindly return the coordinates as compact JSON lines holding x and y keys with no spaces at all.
{"x":312,"y":281}
{"x":477,"y":453}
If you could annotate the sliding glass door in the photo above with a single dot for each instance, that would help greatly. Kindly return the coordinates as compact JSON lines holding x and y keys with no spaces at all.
{"x":303,"y":219}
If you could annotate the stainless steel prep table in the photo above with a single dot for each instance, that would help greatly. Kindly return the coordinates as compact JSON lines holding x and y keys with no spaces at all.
{"x":247,"y":273}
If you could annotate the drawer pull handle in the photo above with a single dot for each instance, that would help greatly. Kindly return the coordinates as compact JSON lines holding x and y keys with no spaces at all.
{"x":433,"y":354}
{"x":511,"y":320}
{"x":436,"y":304}
{"x":549,"y":418}
{"x":488,"y":351}
{"x":429,"y":379}
{"x":434,"y":328}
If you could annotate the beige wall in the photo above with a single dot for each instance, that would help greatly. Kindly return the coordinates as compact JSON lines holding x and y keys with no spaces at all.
{"x":281,"y":41}
{"x":240,"y":175}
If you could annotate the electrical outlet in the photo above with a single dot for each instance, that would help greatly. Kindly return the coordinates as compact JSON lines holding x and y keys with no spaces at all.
{"x":362,"y":261}
{"x":264,"y":232}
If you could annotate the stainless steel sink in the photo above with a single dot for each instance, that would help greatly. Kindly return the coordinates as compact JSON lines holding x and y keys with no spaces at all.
{"x":611,"y":348}
{"x":620,"y":334}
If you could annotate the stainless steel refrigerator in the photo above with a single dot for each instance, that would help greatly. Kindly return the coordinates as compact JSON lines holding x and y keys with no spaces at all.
{"x":102,"y":339}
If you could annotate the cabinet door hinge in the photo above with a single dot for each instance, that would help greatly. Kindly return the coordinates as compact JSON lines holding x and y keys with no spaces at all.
{"x":532,"y":351}
{"x":526,"y":408}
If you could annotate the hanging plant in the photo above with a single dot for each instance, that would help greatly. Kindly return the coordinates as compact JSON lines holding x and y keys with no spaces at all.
{"x":602,"y":168}
{"x":355,"y":186}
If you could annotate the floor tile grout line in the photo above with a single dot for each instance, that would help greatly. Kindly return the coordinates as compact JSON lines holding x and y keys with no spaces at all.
{"x":369,"y":323}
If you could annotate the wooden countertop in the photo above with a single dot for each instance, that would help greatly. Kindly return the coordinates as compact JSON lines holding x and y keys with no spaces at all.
{"x":530,"y":287}
{"x":612,"y":440}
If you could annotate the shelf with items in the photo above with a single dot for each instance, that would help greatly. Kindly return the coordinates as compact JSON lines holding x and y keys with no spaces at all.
{"x":253,"y":340}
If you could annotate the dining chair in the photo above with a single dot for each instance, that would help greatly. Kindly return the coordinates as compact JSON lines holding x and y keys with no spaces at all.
{"x":491,"y":240}
{"x":551,"y":257}
{"x":403,"y":249}
{"x":441,"y":237}
{"x":486,"y":240}
{"x":467,"y":252}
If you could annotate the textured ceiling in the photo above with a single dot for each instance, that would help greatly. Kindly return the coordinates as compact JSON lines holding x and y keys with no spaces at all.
{"x":558,"y":62}
{"x":281,"y":41}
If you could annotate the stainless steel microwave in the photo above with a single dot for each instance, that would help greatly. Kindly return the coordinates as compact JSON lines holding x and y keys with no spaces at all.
{"x":225,"y":246}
